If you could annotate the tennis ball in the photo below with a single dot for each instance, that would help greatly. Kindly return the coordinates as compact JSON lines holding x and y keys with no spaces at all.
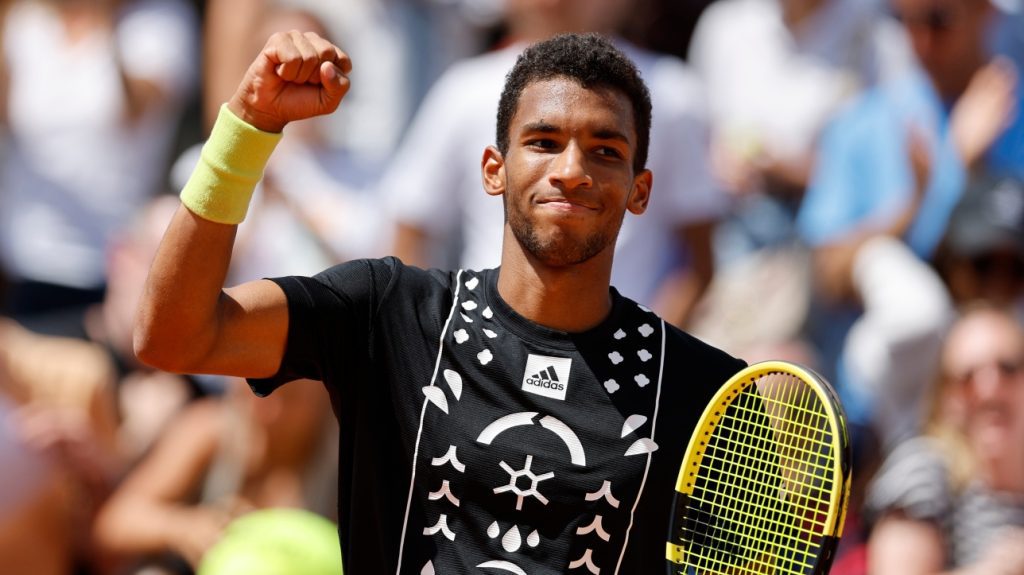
{"x":275,"y":542}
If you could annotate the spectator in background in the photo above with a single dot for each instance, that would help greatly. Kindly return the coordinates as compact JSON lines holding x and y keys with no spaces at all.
{"x":92,"y":100}
{"x":443,"y":218}
{"x":77,"y":411}
{"x":35,"y":525}
{"x":954,"y":117}
{"x":772,"y":93}
{"x":1007,"y":37}
{"x":982,"y":256}
{"x":892,"y":348}
{"x":58,"y":449}
{"x":953,"y":499}
{"x":776,"y":72}
{"x":146,"y":398}
{"x":219,"y":459}
{"x":665,"y":26}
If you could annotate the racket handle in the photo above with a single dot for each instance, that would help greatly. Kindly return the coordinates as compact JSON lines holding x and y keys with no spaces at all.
{"x":828,"y":553}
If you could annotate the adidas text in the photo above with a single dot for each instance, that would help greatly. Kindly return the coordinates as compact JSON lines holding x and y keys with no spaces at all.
{"x":547,"y":376}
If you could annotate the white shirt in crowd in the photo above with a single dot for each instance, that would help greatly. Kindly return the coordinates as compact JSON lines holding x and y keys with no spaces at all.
{"x":75,"y":169}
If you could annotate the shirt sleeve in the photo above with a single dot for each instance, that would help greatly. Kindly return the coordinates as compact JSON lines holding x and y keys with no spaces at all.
{"x":330,"y":321}
{"x":913,"y":480}
{"x":861,"y":174}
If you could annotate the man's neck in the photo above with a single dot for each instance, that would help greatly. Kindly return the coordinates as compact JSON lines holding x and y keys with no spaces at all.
{"x":569,"y":298}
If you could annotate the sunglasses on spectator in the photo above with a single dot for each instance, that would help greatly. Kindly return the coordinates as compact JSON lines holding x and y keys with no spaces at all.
{"x":1006,"y":366}
{"x":988,"y":265}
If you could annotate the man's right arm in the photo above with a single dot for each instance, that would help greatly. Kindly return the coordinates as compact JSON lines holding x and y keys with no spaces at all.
{"x":187,"y":322}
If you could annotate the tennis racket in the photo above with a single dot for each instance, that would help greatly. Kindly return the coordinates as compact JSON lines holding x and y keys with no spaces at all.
{"x":765,"y":481}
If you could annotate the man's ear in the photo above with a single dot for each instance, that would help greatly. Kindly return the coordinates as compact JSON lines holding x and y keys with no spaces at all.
{"x":641,"y":194}
{"x":492,"y":167}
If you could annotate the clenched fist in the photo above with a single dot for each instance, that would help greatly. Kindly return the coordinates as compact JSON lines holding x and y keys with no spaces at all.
{"x":297,"y":75}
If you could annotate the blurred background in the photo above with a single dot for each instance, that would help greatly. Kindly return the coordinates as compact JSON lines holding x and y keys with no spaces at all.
{"x":837,"y":182}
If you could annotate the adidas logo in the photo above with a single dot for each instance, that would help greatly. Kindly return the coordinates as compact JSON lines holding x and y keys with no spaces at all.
{"x":547,"y":376}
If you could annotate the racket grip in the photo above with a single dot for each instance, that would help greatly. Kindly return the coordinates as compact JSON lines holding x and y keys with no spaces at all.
{"x":829,"y":544}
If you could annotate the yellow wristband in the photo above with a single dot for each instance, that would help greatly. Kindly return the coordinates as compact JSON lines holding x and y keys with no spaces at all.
{"x":230,"y":166}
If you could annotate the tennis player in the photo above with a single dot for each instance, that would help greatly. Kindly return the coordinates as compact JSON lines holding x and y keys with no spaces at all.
{"x":524,"y":419}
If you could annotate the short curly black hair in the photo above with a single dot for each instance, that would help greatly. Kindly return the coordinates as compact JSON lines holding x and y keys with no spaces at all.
{"x":589,"y":59}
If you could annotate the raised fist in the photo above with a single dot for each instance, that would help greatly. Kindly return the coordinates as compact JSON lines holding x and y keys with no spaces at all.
{"x":297,"y":75}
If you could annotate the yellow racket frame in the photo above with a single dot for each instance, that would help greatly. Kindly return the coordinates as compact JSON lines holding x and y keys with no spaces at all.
{"x":841,"y":472}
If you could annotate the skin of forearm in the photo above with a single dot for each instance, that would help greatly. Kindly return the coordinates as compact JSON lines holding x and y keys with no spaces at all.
{"x":149,"y":528}
{"x":182,"y":294}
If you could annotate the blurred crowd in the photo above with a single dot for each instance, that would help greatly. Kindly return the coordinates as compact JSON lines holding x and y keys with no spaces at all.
{"x":838,"y":183}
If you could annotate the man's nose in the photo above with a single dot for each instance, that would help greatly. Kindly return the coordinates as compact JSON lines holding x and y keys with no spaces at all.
{"x":569,"y":170}
{"x":922,"y":39}
{"x":988,"y":382}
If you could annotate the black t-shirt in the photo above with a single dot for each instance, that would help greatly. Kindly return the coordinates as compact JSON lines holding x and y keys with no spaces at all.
{"x":476,"y":441}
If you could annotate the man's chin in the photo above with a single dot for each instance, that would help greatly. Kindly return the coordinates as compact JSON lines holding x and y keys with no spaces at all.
{"x":563,"y":253}
{"x":562,"y":249}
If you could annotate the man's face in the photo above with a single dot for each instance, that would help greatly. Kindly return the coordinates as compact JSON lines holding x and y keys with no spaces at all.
{"x":567,"y":177}
{"x":944,"y":33}
{"x":983,"y":361}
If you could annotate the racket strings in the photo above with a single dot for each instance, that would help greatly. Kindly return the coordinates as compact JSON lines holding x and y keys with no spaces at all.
{"x":762,"y":495}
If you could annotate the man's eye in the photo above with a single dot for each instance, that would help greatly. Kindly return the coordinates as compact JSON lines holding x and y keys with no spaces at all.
{"x":543,"y":143}
{"x":609,"y":152}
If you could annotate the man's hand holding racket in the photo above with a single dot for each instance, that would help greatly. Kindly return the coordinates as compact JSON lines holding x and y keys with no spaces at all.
{"x":297,"y":75}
